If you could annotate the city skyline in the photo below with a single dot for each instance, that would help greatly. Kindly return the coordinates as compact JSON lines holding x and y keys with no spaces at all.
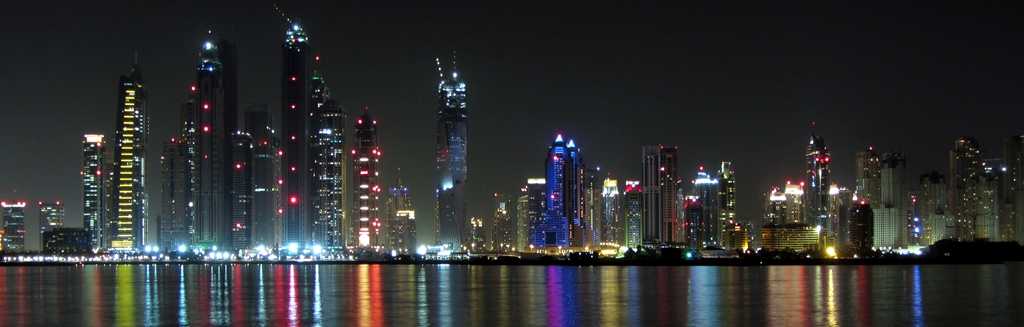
{"x":497,"y":138}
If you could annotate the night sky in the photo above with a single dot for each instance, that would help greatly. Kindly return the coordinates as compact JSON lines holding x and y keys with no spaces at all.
{"x":735,"y":83}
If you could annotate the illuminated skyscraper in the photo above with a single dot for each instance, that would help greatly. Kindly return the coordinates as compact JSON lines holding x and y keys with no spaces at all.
{"x":592,"y":209}
{"x":775,"y":207}
{"x":564,"y":177}
{"x":869,"y":175}
{"x":794,"y":203}
{"x":819,"y":179}
{"x":216,"y":99}
{"x":400,"y":217}
{"x":706,"y":187}
{"x":861,"y":228}
{"x":632,"y":212}
{"x":988,"y":226}
{"x":697,"y":224}
{"x":612,"y":228}
{"x":130,"y":134}
{"x":659,"y":180}
{"x":965,"y":173}
{"x":915,"y":221}
{"x":450,"y":156}
{"x":51,"y":216}
{"x":502,"y":225}
{"x":366,"y":155}
{"x":266,"y":170}
{"x":175,"y":230}
{"x":530,"y":211}
{"x":296,"y":109}
{"x":727,"y":198}
{"x":836,"y":232}
{"x":93,"y":190}
{"x":329,"y":167}
{"x":933,"y":202}
{"x":1014,"y":158}
{"x":890,"y":215}
{"x":14,"y":226}
{"x":241,"y":191}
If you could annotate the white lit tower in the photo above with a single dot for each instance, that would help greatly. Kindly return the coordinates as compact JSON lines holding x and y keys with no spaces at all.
{"x":366,"y":155}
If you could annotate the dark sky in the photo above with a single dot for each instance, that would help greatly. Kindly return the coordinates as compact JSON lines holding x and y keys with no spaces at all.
{"x":723,"y":82}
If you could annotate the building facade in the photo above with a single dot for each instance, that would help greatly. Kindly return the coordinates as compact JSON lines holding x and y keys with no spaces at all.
{"x":14,"y":226}
{"x":632,"y":213}
{"x":329,"y":167}
{"x":964,"y":178}
{"x":451,"y":156}
{"x":130,"y":135}
{"x":659,"y":182}
{"x":93,"y":189}
{"x":366,"y":163}
{"x":296,"y":97}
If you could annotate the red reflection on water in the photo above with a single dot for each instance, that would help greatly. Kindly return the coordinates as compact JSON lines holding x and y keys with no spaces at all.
{"x":293,"y":298}
{"x":376,"y":297}
{"x":3,"y":292}
{"x":237,"y":294}
{"x":19,"y":289}
{"x":801,"y":279}
{"x":204,"y":295}
{"x":863,"y":293}
{"x":278,"y":316}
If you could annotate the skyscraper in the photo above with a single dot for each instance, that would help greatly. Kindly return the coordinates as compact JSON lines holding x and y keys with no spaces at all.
{"x":295,"y":176}
{"x":869,"y":175}
{"x":51,"y":216}
{"x":266,"y":170}
{"x":861,"y":228}
{"x":130,"y":134}
{"x":329,"y":166}
{"x":795,"y":203}
{"x":696,"y":222}
{"x":400,"y":217}
{"x":592,"y":208}
{"x":93,"y":190}
{"x":727,"y":197}
{"x":632,"y":212}
{"x":989,"y":222}
{"x":1013,"y":152}
{"x":502,"y":225}
{"x":241,"y":191}
{"x":175,"y":230}
{"x":215,"y":117}
{"x":965,"y":173}
{"x":938,"y":223}
{"x":530,"y":211}
{"x":612,"y":228}
{"x":819,"y":179}
{"x":366,"y":156}
{"x":890,"y":215}
{"x":450,"y":156}
{"x":706,"y":188}
{"x":775,"y":207}
{"x":14,"y":226}
{"x":564,"y":178}
{"x":836,"y":232}
{"x":659,"y":181}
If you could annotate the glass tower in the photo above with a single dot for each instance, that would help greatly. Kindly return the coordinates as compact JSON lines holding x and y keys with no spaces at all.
{"x":295,"y":133}
{"x":329,"y":166}
{"x":366,"y":156}
{"x":450,"y":156}
{"x":93,"y":191}
{"x":130,"y":134}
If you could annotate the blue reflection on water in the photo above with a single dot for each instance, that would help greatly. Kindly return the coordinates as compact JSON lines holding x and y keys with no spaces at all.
{"x":917,"y":308}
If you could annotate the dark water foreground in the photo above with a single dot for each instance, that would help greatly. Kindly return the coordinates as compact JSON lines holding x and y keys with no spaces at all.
{"x":461,"y":295}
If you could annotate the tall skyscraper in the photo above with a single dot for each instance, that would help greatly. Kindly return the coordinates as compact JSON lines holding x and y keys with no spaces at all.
{"x":175,"y":230}
{"x":612,"y":228}
{"x":819,"y":179}
{"x":93,"y":190}
{"x":450,"y":156}
{"x":295,"y":176}
{"x":530,"y":211}
{"x":564,"y":181}
{"x":891,"y":214}
{"x":400,"y":218}
{"x":706,"y":188}
{"x":990,"y":218}
{"x":51,"y":215}
{"x":366,"y":156}
{"x":869,"y":175}
{"x":861,"y":228}
{"x":632,"y":212}
{"x":933,"y":202}
{"x":696,"y":222}
{"x":130,"y":134}
{"x":1013,"y":152}
{"x":266,"y":171}
{"x":215,"y":117}
{"x":965,"y":173}
{"x":241,"y":190}
{"x":329,"y":166}
{"x":14,"y":226}
{"x":915,"y":221}
{"x":502,"y":225}
{"x":592,"y":205}
{"x":775,"y":207}
{"x":659,"y":181}
{"x":795,"y":213}
{"x":727,"y":197}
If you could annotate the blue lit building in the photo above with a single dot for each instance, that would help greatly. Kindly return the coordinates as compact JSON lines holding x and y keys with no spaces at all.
{"x":452,"y":141}
{"x":564,"y":176}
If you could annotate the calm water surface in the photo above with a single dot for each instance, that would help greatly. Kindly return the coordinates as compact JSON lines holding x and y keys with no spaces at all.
{"x":378,"y":295}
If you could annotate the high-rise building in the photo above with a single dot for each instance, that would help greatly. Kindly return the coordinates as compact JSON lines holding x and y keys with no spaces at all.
{"x":775,"y":207}
{"x":241,"y":191}
{"x":990,"y":218}
{"x":1013,"y":152}
{"x":400,"y":217}
{"x":503,"y":226}
{"x":727,"y":198}
{"x":564,"y":187}
{"x":706,"y":187}
{"x":890,"y":215}
{"x":366,"y":156}
{"x":915,"y":222}
{"x":266,"y":170}
{"x":51,"y":215}
{"x":329,"y":167}
{"x":659,"y":181}
{"x":14,"y":226}
{"x":592,"y":206}
{"x":530,"y":211}
{"x":933,"y":199}
{"x":130,"y":134}
{"x":215,"y":95}
{"x":296,"y":95}
{"x":612,"y":227}
{"x":450,"y":156}
{"x":861,"y":228}
{"x":794,"y":237}
{"x":65,"y":240}
{"x":794,"y":203}
{"x":174,"y":229}
{"x":965,"y":174}
{"x":632,"y":213}
{"x":819,"y":179}
{"x":836,"y":231}
{"x":696,"y":222}
{"x":93,"y":190}
{"x":869,"y":174}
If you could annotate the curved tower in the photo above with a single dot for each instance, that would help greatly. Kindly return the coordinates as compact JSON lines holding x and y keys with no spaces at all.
{"x":452,"y":142}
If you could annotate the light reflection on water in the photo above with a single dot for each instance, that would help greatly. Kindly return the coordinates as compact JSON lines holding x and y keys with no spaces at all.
{"x":452,"y":295}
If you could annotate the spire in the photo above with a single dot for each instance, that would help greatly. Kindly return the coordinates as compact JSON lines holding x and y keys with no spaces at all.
{"x":558,"y":138}
{"x":572,"y":144}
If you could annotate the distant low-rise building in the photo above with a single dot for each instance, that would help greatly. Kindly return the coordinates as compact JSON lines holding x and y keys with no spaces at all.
{"x":67,"y":241}
{"x":795,"y":236}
